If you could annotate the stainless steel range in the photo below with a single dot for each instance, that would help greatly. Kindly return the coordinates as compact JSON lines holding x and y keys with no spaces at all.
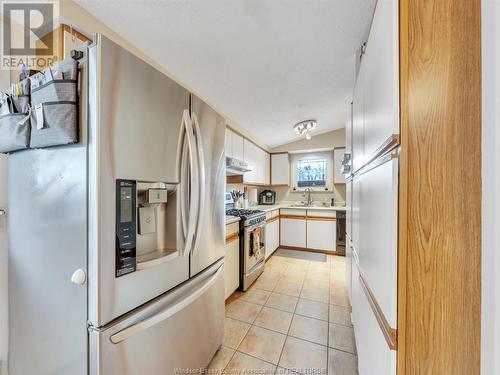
{"x":252,"y":250}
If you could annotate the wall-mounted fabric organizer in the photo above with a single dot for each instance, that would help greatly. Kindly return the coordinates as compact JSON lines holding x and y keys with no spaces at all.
{"x":54,"y":118}
{"x":15,"y":118}
{"x":41,"y":111}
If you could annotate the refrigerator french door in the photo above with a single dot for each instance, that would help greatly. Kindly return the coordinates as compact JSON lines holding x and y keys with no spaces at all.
{"x":138,"y":118}
{"x":210,"y":237}
{"x":136,"y":207}
{"x":156,"y":154}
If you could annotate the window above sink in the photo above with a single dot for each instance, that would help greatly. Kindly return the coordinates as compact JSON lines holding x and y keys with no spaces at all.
{"x":312,"y":171}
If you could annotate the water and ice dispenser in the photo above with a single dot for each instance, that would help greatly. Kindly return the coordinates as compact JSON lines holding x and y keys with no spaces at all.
{"x":146,"y":230}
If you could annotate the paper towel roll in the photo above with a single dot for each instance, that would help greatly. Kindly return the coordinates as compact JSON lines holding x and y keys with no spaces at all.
{"x":252,"y":196}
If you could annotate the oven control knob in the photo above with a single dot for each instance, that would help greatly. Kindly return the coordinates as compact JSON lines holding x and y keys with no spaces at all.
{"x":78,"y":277}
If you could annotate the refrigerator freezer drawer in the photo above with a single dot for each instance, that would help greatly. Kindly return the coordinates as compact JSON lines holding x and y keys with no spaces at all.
{"x":180,"y":330}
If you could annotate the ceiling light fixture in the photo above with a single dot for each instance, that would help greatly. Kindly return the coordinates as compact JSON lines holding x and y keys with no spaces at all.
{"x":305,"y":127}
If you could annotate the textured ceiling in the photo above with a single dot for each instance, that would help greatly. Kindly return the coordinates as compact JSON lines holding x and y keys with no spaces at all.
{"x":266,"y":64}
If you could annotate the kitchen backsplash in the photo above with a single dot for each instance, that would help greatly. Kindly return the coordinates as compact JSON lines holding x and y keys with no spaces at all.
{"x":284,"y":193}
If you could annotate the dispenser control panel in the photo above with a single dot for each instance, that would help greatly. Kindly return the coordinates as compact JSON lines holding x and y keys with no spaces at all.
{"x":126,"y":232}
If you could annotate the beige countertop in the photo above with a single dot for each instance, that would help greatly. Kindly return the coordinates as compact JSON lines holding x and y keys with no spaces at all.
{"x":289,"y":206}
{"x":232,"y":219}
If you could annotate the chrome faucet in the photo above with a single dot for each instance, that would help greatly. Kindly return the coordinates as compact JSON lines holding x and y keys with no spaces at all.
{"x":309,"y":199}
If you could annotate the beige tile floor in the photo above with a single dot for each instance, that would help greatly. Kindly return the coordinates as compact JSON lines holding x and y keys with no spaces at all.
{"x":294,"y":319}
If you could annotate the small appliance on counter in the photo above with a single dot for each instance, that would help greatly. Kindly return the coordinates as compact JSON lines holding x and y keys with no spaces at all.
{"x":267,"y":197}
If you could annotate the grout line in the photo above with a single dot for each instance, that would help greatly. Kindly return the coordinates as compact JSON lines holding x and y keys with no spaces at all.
{"x":291,"y":322}
{"x":252,"y":324}
{"x":250,"y":355}
{"x":228,"y":362}
{"x":343,"y":351}
{"x":312,"y":317}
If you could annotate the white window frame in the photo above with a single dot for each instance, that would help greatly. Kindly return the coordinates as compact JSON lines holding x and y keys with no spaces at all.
{"x":328,"y":155}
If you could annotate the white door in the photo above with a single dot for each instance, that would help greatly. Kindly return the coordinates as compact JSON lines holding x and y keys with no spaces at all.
{"x":321,"y":234}
{"x":293,"y":232}
{"x":272,"y":237}
{"x":3,"y":263}
{"x":228,"y":145}
{"x":280,"y":169}
{"x":232,"y":267}
{"x":251,"y":157}
{"x":238,"y":148}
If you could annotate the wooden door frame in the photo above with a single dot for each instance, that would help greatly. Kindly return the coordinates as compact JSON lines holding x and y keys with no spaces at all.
{"x":439,"y":293}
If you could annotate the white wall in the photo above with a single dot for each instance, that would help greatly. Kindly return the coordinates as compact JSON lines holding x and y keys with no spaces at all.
{"x":328,"y":140}
{"x":490,"y":331}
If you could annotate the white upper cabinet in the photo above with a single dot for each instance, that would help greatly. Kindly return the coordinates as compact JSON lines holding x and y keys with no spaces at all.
{"x":238,"y":147}
{"x":348,"y":129}
{"x":234,"y":145}
{"x":229,"y":144}
{"x":376,"y":95}
{"x":266,"y":167}
{"x":251,"y":157}
{"x":358,"y":123}
{"x":280,"y":169}
{"x":259,"y":161}
{"x":338,"y":177}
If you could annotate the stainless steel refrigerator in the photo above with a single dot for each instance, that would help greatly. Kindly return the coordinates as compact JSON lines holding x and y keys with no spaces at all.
{"x":117,"y":243}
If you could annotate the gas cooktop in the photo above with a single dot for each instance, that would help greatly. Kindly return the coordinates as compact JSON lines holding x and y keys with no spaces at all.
{"x":244,"y":213}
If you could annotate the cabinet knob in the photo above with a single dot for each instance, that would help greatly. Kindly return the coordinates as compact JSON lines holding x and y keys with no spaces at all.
{"x":78,"y":277}
{"x":3,"y":212}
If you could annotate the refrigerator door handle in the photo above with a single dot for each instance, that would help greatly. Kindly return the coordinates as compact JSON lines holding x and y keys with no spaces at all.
{"x":184,"y":187}
{"x":170,"y":311}
{"x":201,"y":176}
{"x":194,"y":187}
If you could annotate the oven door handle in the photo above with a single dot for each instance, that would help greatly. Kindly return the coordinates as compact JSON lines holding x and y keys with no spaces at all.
{"x":252,"y":228}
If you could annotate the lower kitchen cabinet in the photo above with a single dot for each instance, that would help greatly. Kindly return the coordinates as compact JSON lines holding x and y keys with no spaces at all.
{"x":293,"y":232}
{"x":232,"y":260}
{"x":272,"y":235}
{"x":321,"y":234}
{"x":309,"y":229}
